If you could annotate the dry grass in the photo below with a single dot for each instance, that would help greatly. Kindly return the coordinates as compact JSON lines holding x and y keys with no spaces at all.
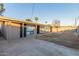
{"x":70,"y":39}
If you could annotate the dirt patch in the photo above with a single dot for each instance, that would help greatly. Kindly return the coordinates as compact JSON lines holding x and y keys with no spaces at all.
{"x":70,"y":39}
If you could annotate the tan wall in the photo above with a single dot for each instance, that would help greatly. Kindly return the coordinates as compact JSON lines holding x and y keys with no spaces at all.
{"x":12,"y":32}
{"x":63,"y":28}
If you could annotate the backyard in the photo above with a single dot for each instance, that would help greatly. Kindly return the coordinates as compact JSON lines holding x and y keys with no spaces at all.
{"x":68,"y":38}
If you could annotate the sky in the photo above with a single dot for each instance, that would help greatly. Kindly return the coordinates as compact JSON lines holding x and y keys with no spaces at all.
{"x":65,"y":12}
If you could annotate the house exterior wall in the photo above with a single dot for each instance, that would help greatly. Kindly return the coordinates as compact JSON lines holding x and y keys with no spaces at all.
{"x":3,"y":29}
{"x":12,"y":31}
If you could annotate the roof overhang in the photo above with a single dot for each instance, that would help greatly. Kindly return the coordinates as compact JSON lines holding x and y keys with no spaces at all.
{"x":6,"y":19}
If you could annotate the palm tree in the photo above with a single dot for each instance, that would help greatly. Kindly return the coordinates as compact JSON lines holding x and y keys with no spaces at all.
{"x":1,"y":9}
{"x":36,"y":19}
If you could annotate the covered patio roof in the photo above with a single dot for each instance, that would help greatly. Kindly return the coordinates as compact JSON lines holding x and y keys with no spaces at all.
{"x":6,"y":19}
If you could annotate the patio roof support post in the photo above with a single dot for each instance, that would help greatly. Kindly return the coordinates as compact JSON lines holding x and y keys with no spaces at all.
{"x":38,"y":29}
{"x":25,"y":32}
{"x":50,"y":28}
{"x":21,"y":30}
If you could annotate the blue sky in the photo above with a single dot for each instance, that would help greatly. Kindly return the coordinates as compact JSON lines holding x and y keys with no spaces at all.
{"x":45,"y":11}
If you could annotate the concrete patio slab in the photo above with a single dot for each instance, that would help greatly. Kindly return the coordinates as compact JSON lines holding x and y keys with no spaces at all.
{"x":34,"y":47}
